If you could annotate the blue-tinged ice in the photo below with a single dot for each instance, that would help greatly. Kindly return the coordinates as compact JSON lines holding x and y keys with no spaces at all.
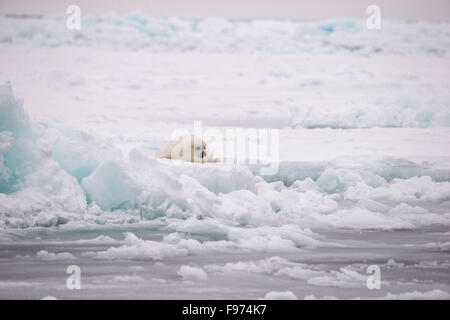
{"x":72,"y":157}
{"x":110,"y":187}
{"x":16,"y":146}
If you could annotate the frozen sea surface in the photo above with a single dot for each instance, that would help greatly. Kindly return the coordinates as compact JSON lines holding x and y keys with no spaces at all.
{"x":363,"y":174}
{"x":409,"y":264}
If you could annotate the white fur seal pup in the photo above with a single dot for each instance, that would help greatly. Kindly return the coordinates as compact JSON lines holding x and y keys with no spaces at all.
{"x":189,"y":148}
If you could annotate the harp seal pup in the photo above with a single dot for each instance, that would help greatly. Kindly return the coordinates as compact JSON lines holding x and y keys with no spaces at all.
{"x":189,"y":148}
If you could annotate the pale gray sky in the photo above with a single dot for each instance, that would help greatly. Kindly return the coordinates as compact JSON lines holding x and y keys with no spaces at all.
{"x":302,"y":9}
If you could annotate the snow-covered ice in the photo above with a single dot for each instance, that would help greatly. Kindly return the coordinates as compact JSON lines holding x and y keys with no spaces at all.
{"x":363,"y":176}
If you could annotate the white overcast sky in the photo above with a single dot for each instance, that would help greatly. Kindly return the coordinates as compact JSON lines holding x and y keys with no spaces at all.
{"x":301,"y":9}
